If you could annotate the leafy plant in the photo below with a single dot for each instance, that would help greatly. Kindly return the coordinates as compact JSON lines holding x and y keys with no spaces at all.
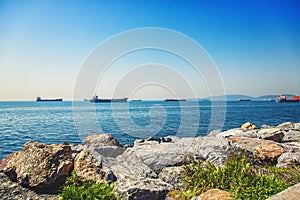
{"x":238,"y":176}
{"x":77,"y":189}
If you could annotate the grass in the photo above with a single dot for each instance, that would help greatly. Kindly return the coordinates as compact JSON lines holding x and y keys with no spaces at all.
{"x":239,"y":176}
{"x":77,"y":189}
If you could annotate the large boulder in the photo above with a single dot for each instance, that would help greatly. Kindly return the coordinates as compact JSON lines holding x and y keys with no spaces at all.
{"x":104,"y":144}
{"x":88,"y":167}
{"x":40,"y":167}
{"x":158,"y":155}
{"x":238,"y":132}
{"x":274,"y":134}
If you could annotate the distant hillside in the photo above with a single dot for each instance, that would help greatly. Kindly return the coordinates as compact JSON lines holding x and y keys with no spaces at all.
{"x":230,"y":97}
{"x":235,"y":97}
{"x":273,"y":96}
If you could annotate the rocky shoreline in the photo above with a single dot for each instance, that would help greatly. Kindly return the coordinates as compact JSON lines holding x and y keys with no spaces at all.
{"x":147,"y":170}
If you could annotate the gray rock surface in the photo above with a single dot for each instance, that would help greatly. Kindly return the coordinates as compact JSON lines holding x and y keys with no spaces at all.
{"x":239,"y":132}
{"x":289,"y":158}
{"x":274,"y":134}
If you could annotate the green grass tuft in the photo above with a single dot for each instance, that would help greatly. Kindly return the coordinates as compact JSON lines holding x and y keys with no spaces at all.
{"x":77,"y":189}
{"x":238,"y":176}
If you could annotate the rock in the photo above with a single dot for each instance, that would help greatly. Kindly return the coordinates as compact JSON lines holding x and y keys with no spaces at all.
{"x":245,"y":144}
{"x":76,"y":149}
{"x":172,"y":175}
{"x":292,"y":193}
{"x":144,"y":189}
{"x":249,"y":126}
{"x":159,"y":155}
{"x":268,"y":153}
{"x":99,"y":140}
{"x":274,"y":134}
{"x":40,"y":167}
{"x":12,"y":191}
{"x":289,"y":158}
{"x":213,"y":194}
{"x":286,"y":125}
{"x":291,"y":136}
{"x":88,"y":167}
{"x":297,"y":126}
{"x":4,"y":161}
{"x":239,"y":132}
{"x":104,"y":144}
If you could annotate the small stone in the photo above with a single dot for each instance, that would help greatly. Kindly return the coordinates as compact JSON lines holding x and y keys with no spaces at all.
{"x":213,"y":194}
{"x":249,"y":126}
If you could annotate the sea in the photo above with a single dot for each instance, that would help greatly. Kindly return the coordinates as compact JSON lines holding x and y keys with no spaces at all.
{"x":71,"y":122}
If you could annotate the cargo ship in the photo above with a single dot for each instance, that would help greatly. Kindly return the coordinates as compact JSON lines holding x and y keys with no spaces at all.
{"x":40,"y":99}
{"x":175,"y":99}
{"x":97,"y":100}
{"x":244,"y":99}
{"x":284,"y":99}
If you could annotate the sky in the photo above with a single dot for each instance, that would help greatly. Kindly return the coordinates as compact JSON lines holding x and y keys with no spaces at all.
{"x":255,"y":46}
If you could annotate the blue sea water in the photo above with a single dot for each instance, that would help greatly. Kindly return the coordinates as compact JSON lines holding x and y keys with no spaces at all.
{"x":58,"y":122}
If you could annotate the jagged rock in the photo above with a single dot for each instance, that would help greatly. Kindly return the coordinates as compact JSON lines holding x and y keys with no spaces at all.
{"x":292,"y":193}
{"x":274,"y":134}
{"x":143,"y":189}
{"x":40,"y":167}
{"x":286,"y":125}
{"x":172,"y":175}
{"x":268,"y":153}
{"x":213,"y":194}
{"x":99,"y":140}
{"x":239,"y":132}
{"x":104,"y":144}
{"x":88,"y":167}
{"x":159,"y":155}
{"x":287,"y":159}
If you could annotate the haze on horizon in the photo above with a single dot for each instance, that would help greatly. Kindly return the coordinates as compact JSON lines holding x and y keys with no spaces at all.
{"x":43,"y":44}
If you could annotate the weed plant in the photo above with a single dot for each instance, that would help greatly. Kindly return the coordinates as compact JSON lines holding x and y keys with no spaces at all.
{"x":239,"y":176}
{"x":77,"y":189}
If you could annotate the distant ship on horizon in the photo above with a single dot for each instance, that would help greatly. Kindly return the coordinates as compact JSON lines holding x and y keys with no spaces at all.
{"x":97,"y":100}
{"x":175,"y":99}
{"x":40,"y":99}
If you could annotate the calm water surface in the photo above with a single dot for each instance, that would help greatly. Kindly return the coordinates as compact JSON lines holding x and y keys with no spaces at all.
{"x":58,"y":122}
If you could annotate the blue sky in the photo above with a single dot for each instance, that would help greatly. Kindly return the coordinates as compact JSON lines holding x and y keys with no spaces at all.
{"x":255,"y":44}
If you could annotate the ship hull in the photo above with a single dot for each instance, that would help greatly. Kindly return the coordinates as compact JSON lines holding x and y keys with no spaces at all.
{"x":48,"y":100}
{"x":124,"y":100}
